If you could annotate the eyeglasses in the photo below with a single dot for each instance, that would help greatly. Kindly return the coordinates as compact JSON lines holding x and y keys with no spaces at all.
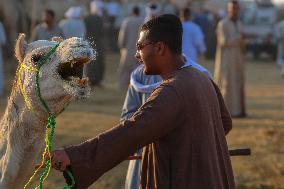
{"x":141,"y":46}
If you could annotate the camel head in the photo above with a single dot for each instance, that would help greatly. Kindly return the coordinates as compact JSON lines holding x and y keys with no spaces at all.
{"x":60,"y":76}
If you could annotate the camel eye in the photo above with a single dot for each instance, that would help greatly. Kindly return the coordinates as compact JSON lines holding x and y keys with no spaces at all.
{"x":36,"y":57}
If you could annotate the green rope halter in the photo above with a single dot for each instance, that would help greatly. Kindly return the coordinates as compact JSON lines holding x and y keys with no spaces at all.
{"x":49,"y":135}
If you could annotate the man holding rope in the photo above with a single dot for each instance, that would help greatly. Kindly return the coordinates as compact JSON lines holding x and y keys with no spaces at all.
{"x":182,"y":126}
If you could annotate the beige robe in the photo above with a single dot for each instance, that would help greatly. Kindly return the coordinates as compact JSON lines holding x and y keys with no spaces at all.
{"x":229,"y":65}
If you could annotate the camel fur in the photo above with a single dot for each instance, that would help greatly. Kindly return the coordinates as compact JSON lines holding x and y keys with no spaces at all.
{"x":22,"y":128}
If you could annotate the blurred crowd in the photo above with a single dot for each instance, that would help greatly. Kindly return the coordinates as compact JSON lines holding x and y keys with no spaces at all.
{"x":112,"y":27}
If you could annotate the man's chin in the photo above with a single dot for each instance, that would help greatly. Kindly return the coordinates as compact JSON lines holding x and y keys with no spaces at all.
{"x":150,"y":72}
{"x":147,"y":72}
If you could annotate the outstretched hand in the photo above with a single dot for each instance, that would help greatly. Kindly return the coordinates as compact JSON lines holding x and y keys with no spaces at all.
{"x":59,"y":160}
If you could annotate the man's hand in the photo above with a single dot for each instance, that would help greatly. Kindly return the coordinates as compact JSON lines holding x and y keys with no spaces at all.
{"x":59,"y":160}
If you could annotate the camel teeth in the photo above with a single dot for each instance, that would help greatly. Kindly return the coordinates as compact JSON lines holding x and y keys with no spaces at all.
{"x":72,"y":63}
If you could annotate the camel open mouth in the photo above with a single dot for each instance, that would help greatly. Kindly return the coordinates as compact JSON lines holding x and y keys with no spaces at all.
{"x":72,"y":72}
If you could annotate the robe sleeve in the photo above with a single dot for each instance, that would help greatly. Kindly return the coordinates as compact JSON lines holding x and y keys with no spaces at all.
{"x":199,"y":41}
{"x":225,"y":115}
{"x":155,"y":119}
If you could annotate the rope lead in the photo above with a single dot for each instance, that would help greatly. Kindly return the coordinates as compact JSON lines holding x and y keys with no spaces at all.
{"x":50,"y":128}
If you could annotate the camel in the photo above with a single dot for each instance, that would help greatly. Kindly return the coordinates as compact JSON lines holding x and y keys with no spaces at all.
{"x":22,"y":128}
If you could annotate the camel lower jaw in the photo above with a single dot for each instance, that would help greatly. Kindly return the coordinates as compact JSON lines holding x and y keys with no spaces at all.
{"x":78,"y":88}
{"x":76,"y":81}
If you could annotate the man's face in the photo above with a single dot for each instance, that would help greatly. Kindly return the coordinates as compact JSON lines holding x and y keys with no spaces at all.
{"x":146,"y":54}
{"x":233,"y":10}
{"x":47,"y":18}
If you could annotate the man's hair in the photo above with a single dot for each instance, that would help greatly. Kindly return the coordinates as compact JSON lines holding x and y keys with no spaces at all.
{"x":136,"y":10}
{"x":153,"y":6}
{"x":234,"y":2}
{"x":185,"y":13}
{"x":50,"y":12}
{"x":165,"y":28}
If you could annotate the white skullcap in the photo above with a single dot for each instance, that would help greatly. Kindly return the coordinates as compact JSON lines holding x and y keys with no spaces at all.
{"x":74,"y":12}
{"x":152,"y":9}
{"x":222,"y":13}
{"x":96,"y":7}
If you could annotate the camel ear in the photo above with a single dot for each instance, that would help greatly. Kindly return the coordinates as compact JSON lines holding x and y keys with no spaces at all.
{"x":57,"y":39}
{"x":20,"y":47}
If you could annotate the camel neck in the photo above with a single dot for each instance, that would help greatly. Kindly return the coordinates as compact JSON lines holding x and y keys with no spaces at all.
{"x":18,"y":112}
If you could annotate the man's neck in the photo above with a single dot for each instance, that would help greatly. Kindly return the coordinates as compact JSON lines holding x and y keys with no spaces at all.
{"x":49,"y":25}
{"x":173,"y":64}
{"x":234,"y":19}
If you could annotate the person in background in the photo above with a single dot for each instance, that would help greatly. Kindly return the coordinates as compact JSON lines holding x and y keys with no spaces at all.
{"x":99,"y":6}
{"x":200,"y":17}
{"x":169,"y":8}
{"x":182,"y":125}
{"x":94,"y":33}
{"x":140,"y":88}
{"x":112,"y":9}
{"x":48,"y":28}
{"x":229,"y":62}
{"x":279,"y":32}
{"x":127,"y":38}
{"x":73,"y":25}
{"x":192,"y":37}
{"x":2,"y":43}
{"x":153,"y":9}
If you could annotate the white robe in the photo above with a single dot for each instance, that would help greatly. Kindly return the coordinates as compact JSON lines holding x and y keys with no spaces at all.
{"x":2,"y":42}
{"x":229,"y":65}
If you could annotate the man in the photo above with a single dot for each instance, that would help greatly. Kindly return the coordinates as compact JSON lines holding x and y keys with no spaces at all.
{"x":2,"y":43}
{"x":279,"y":32}
{"x":153,"y":9}
{"x":140,"y":88}
{"x":127,"y":38}
{"x":94,"y":32}
{"x":182,"y":125}
{"x":192,"y":37}
{"x":48,"y":28}
{"x":112,"y":10}
{"x":229,"y":65}
{"x":73,"y":25}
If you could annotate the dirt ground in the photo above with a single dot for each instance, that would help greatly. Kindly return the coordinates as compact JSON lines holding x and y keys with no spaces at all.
{"x":262,"y":130}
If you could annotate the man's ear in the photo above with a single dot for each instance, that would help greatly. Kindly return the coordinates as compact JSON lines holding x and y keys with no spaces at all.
{"x":20,"y":47}
{"x":161,"y":48}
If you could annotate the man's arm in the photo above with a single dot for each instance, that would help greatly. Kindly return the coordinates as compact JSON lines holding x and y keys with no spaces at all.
{"x":225,"y":115}
{"x":200,"y":44}
{"x":93,"y":158}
